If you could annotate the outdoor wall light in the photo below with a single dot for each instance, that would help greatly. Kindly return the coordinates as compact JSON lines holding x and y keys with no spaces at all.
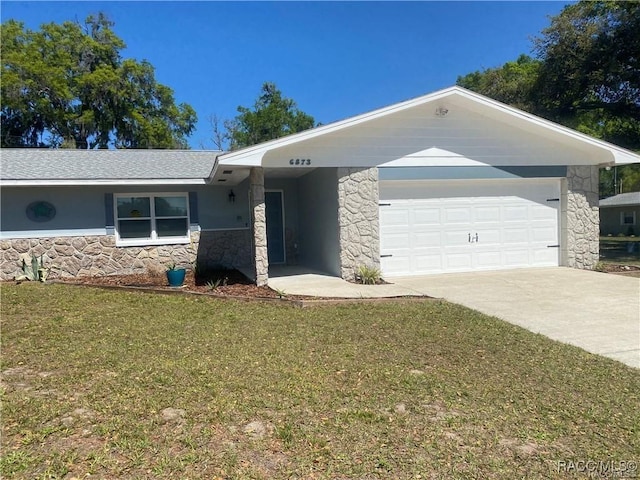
{"x":232,"y":196}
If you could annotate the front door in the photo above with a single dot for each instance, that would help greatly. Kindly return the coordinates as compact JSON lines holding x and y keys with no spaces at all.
{"x":274,"y":207}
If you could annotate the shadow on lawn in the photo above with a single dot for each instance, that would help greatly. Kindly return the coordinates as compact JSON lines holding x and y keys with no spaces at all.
{"x":623,"y":250}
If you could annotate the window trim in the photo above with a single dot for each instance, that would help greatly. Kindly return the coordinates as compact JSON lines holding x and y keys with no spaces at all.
{"x":154,"y":240}
{"x":623,"y":215}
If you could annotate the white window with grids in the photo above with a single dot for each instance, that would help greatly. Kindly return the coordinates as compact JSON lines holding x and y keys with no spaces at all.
{"x":151,"y":219}
{"x":628,"y":218}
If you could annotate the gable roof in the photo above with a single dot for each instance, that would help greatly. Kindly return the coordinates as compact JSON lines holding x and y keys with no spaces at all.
{"x":411,"y":131}
{"x":622,"y":199}
{"x":596,"y":152}
{"x":35,"y":166}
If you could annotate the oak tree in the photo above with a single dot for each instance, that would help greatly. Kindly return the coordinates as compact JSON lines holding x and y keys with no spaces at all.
{"x":589,"y":77}
{"x":586,"y":74}
{"x":67,"y":85}
{"x":272,"y":116}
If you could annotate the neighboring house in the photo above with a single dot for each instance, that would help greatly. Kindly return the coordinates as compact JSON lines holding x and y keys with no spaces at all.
{"x":620,"y":214}
{"x":448,"y":182}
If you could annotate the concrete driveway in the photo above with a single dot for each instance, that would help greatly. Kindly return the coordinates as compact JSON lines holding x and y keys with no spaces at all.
{"x":594,"y":311}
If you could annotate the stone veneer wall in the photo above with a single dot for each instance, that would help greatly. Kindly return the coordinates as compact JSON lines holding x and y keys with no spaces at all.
{"x":99,"y":256}
{"x":92,"y":256}
{"x":581,"y":218}
{"x":358,"y":220}
{"x":259,"y":226}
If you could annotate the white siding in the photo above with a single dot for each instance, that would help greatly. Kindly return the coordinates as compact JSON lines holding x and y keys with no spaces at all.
{"x":418,"y":137}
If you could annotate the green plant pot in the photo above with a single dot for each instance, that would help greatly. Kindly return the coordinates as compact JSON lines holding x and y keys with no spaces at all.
{"x":176,"y":277}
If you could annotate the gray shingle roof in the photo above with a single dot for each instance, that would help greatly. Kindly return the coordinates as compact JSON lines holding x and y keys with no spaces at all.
{"x":631,"y":198}
{"x":82,"y":165}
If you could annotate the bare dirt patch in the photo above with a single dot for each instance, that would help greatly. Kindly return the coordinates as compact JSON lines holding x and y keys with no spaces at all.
{"x":525,"y":448}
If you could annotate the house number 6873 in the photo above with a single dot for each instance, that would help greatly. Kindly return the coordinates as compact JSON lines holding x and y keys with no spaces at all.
{"x":300,"y":161}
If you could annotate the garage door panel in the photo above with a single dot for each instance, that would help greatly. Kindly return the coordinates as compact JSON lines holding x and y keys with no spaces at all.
{"x":396,"y":240}
{"x":516,"y":258}
{"x":546,"y":256}
{"x":454,"y":215}
{"x":429,"y":230}
{"x":488,"y":259}
{"x":426,"y":216}
{"x":543,"y":212}
{"x":486,"y":236}
{"x":455,"y":238}
{"x":515,"y":213}
{"x":428,"y":261}
{"x":458,"y":262}
{"x":516,"y":235}
{"x":546,"y":234}
{"x":396,"y":265}
{"x":426,"y":239}
{"x":487,"y":214}
{"x":394,"y":217}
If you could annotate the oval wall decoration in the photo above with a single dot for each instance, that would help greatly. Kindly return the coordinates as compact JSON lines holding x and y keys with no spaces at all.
{"x":40,"y":211}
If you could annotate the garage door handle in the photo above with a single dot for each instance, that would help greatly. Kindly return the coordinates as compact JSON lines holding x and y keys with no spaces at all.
{"x":553,"y":246}
{"x":384,"y":204}
{"x":385,"y":256}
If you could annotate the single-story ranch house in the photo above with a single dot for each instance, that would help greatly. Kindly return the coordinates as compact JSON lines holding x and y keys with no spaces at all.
{"x":619,"y":215}
{"x":448,"y":182}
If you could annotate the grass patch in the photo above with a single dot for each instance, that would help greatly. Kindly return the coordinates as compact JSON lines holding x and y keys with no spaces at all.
{"x":620,"y":250}
{"x":125,"y":385}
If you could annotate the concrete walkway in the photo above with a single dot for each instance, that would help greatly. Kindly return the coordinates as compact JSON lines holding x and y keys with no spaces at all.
{"x":303,"y":281}
{"x":594,"y":311}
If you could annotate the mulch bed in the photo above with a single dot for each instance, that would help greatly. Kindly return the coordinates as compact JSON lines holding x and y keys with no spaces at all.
{"x":619,"y":269}
{"x":232,"y":283}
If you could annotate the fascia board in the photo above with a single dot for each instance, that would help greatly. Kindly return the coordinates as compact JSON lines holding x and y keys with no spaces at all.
{"x":247,"y":159}
{"x":78,"y":183}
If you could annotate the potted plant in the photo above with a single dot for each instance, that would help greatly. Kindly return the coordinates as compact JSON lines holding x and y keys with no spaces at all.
{"x":175,"y":275}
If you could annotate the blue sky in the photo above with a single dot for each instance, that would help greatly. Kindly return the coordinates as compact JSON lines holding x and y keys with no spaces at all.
{"x":335,"y":59}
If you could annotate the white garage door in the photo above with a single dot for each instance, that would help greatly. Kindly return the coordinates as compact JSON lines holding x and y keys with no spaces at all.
{"x":459,"y":226}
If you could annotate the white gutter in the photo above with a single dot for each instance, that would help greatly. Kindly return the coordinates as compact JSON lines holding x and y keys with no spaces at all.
{"x":78,"y":183}
{"x":623,"y":157}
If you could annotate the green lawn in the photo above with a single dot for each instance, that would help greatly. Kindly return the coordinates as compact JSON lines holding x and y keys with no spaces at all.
{"x":397,"y":390}
{"x":616,"y":250}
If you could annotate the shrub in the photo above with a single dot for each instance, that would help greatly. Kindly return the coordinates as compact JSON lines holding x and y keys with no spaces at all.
{"x":35,"y":271}
{"x":368,"y":275}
